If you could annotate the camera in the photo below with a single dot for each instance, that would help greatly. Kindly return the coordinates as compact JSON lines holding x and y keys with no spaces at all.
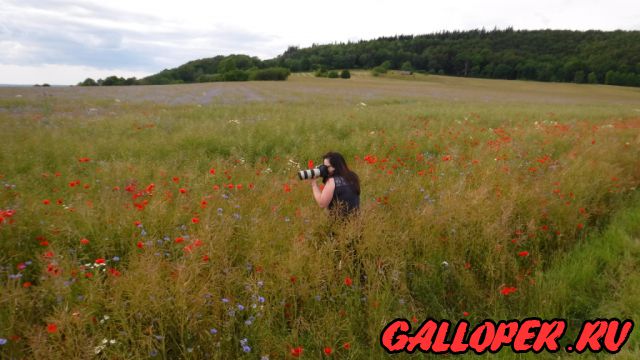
{"x":321,"y":170}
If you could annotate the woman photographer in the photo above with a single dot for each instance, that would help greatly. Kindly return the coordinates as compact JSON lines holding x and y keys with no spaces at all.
{"x":341,"y":193}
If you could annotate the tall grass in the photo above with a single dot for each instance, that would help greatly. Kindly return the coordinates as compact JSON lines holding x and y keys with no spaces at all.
{"x":213,"y":249}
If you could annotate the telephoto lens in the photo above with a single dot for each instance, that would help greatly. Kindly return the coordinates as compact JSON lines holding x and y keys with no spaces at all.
{"x":321,"y":170}
{"x":309,"y":174}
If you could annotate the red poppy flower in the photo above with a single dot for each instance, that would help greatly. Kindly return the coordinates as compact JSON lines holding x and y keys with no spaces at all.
{"x":465,"y":313}
{"x":140,"y":244}
{"x":195,"y":220}
{"x":26,"y":284}
{"x":114,"y":272}
{"x":508,"y":290}
{"x":286,"y":188}
{"x":580,"y":226}
{"x":176,"y":179}
{"x":183,"y":190}
{"x":84,"y":241}
{"x":523,"y":253}
{"x":212,"y":171}
{"x":216,"y":187}
{"x":293,"y":279}
{"x":297,"y":351}
{"x":179,"y":239}
{"x":346,"y":346}
{"x":251,"y":186}
{"x":205,"y":258}
{"x":310,"y":164}
{"x":327,"y":351}
{"x":52,"y":328}
{"x":99,"y":261}
{"x":348,"y":281}
{"x":46,"y":201}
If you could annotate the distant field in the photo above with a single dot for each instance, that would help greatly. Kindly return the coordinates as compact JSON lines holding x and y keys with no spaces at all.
{"x":168,"y":221}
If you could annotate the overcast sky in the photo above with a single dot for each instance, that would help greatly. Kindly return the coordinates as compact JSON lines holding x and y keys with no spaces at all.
{"x":66,"y":41}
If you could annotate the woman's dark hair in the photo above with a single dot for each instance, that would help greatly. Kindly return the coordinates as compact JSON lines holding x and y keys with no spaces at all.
{"x":341,"y":169}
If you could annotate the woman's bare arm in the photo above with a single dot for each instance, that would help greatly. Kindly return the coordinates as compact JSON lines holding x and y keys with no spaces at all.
{"x":323,"y":198}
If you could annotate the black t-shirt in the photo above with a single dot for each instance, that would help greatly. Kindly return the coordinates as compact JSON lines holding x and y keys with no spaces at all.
{"x":344,"y":197}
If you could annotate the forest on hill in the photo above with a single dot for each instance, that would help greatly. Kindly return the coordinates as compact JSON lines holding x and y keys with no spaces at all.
{"x":596,"y":57}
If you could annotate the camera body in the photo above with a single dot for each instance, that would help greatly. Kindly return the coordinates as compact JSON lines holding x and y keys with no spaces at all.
{"x":320,"y":171}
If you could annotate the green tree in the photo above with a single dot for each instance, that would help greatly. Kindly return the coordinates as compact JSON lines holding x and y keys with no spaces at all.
{"x":227,"y":65}
{"x":89,"y":82}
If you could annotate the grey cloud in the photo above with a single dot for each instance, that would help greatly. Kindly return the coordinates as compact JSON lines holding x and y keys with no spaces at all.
{"x":78,"y":33}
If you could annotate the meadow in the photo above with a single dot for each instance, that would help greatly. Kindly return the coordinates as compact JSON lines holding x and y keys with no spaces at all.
{"x":168,"y":222}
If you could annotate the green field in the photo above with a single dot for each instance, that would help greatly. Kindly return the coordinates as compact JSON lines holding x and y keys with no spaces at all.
{"x":168,"y":222}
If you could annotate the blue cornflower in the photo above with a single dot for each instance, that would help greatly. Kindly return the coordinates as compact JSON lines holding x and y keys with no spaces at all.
{"x":261,"y":299}
{"x":246,"y":348}
{"x":116,"y":259}
{"x":153,"y":353}
{"x":3,"y":341}
{"x":213,"y":331}
{"x":240,"y":307}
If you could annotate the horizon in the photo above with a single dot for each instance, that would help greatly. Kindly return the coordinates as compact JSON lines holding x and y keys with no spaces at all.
{"x":63,"y":42}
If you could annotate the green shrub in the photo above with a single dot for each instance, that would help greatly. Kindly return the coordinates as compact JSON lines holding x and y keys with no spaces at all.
{"x":378,"y":70}
{"x":273,"y":73}
{"x":332,"y":74}
{"x":236,"y":75}
{"x":345,"y":74}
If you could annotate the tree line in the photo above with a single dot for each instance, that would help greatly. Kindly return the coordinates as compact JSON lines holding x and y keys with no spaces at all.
{"x":596,"y":57}
{"x":219,"y":68}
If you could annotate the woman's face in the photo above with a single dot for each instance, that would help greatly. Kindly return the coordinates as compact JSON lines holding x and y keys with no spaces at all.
{"x":328,"y":165}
